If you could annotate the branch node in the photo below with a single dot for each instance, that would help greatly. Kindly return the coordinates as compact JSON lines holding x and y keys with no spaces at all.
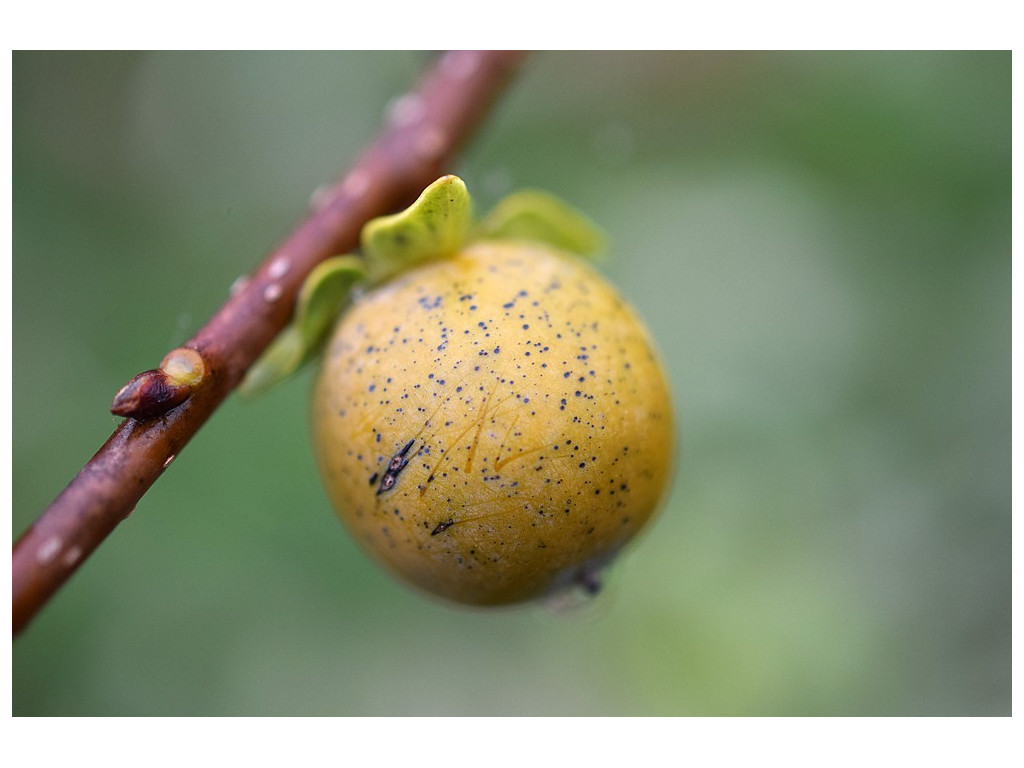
{"x":154,"y":393}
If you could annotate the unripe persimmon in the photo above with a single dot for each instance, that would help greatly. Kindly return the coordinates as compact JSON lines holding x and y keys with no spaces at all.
{"x":494,"y":425}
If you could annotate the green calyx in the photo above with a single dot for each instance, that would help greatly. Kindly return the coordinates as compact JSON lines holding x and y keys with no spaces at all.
{"x":436,"y":226}
{"x":322,"y":295}
{"x":540,"y":217}
{"x":433,"y":227}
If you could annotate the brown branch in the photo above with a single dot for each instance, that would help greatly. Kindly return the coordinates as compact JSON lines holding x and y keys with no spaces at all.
{"x":424,"y":130}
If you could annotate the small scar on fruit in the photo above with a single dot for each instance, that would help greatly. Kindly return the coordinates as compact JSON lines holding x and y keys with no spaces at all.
{"x":590,"y":581}
{"x":442,"y":527}
{"x":395,"y":466}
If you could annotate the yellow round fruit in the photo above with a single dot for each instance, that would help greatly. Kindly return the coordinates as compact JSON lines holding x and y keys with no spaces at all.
{"x":494,"y":426}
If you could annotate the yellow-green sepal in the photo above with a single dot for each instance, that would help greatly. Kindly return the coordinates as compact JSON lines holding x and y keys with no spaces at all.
{"x":282,"y":358}
{"x":433,"y":227}
{"x":320,"y":300}
{"x":540,"y":217}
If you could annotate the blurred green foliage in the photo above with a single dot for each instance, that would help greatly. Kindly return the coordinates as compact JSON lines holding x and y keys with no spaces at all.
{"x":822,"y":244}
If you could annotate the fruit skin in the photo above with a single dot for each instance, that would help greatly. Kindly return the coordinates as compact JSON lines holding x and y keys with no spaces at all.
{"x":493,"y":426}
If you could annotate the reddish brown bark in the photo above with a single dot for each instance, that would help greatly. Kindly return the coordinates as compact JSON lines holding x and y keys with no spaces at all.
{"x":424,"y":130}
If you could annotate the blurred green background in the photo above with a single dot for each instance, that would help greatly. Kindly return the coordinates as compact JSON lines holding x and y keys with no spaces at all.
{"x":820,"y":241}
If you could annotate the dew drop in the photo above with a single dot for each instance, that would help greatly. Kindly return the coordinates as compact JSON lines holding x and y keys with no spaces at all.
{"x":238,"y":285}
{"x":72,"y":556}
{"x":48,"y":550}
{"x":430,"y":143}
{"x":279,"y":268}
{"x":356,"y":184}
{"x":406,"y":110}
{"x":461,"y":65}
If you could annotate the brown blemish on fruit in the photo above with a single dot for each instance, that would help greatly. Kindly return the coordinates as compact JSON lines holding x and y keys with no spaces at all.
{"x":395,"y":466}
{"x":442,"y":527}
